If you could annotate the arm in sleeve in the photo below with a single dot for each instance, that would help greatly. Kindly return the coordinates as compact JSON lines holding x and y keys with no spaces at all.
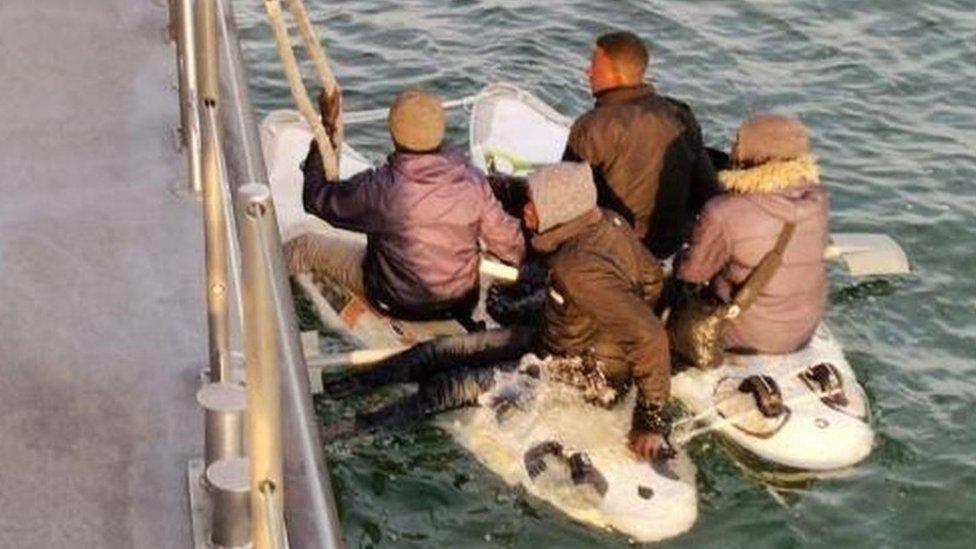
{"x":352,"y":204}
{"x":709,"y":251}
{"x":501,"y":233}
{"x":704,"y":181}
{"x":651,"y":277}
{"x":619,"y":312}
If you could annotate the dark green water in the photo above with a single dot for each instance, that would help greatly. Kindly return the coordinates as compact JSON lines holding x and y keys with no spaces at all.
{"x":887,"y":89}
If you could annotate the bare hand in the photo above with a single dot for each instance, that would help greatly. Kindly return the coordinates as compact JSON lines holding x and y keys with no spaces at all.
{"x":329,"y":108}
{"x":647,"y":446}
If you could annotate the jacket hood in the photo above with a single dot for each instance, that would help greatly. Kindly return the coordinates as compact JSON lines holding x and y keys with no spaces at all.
{"x":795,"y":204}
{"x":549,"y":241}
{"x":444,"y":166}
{"x":773,"y":176}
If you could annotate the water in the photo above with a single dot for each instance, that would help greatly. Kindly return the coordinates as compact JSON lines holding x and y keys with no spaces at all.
{"x":887,"y":89}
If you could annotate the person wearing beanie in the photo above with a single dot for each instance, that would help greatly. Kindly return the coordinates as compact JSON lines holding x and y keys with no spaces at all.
{"x":425,"y":213}
{"x":603,"y":287}
{"x":773,"y":180}
{"x":598,"y":322}
{"x":649,"y":161}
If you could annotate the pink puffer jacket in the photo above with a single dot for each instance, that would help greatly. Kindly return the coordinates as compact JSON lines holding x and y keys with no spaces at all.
{"x":737,"y":229}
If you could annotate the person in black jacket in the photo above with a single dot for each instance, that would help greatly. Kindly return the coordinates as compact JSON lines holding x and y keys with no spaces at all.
{"x":646,"y":150}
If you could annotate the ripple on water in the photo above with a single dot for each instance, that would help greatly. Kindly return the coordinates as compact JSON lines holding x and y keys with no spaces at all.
{"x":887,"y":91}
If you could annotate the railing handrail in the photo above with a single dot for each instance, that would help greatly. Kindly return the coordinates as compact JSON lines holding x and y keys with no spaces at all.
{"x":261,"y":350}
{"x":309,"y":506}
{"x":220,"y":137}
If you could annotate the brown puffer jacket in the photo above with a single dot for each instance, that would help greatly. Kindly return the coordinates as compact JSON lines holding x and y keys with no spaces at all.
{"x":649,"y":163}
{"x":737,"y":229}
{"x":603,"y":287}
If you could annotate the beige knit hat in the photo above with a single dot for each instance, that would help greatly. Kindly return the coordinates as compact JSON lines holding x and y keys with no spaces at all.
{"x":417,"y":121}
{"x":770,"y":137}
{"x":561,"y":192}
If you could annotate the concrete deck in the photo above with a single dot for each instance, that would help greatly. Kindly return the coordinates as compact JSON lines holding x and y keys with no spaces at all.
{"x":102,"y":315}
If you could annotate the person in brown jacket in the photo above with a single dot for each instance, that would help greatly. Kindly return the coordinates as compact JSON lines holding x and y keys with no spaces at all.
{"x":604,"y":285}
{"x":774,"y":180}
{"x":646,"y":150}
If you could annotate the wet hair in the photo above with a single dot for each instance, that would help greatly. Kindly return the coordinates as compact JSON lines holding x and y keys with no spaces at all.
{"x":626,"y":50}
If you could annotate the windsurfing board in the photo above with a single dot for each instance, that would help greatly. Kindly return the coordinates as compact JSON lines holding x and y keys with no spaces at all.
{"x":542,"y":435}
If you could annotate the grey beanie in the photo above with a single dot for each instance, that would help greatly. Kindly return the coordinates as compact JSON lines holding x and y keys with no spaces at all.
{"x":562,"y":192}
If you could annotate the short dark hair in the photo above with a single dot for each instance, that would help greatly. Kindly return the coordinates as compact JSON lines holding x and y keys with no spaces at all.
{"x":627,"y":51}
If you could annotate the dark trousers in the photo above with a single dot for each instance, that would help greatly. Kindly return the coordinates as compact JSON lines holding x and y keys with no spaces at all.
{"x":452,"y":372}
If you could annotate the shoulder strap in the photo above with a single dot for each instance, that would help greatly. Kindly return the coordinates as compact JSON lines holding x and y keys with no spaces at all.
{"x":785,"y":235}
{"x":764,"y":272}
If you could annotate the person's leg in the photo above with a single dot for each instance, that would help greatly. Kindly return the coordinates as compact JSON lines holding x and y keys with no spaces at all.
{"x":445,"y":391}
{"x":339,"y":258}
{"x":425,"y":360}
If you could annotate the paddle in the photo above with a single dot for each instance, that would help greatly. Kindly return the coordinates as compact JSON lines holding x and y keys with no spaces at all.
{"x":866,"y":254}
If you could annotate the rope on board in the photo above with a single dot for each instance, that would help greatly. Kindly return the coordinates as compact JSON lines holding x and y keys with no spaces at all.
{"x":319,"y":60}
{"x":328,"y":148}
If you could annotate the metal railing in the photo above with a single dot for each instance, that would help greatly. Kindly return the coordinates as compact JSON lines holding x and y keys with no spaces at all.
{"x":291,"y":498}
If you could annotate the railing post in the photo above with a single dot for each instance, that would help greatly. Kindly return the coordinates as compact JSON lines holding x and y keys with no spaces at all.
{"x":224,"y":407}
{"x":229,"y":486}
{"x":255,"y":226}
{"x":183,"y":33}
{"x":215,"y":236}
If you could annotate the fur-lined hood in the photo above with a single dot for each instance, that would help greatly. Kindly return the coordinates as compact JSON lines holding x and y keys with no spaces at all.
{"x":773,"y":176}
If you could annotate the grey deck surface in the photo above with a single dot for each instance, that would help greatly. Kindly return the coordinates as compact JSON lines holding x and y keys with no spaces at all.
{"x":102,"y":319}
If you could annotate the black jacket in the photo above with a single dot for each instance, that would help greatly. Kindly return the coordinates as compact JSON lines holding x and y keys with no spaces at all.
{"x":649,"y":163}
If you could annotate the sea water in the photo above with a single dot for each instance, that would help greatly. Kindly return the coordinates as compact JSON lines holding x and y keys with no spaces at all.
{"x":888,"y":90}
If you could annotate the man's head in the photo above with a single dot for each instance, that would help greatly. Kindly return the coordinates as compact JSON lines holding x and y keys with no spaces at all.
{"x":416,"y":121}
{"x":558,"y":193}
{"x":619,"y":60}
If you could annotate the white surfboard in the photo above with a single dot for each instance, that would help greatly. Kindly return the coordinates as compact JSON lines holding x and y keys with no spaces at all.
{"x":640,"y":501}
{"x":823,"y":425}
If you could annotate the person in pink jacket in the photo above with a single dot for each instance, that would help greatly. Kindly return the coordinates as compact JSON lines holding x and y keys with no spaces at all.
{"x":773,"y":179}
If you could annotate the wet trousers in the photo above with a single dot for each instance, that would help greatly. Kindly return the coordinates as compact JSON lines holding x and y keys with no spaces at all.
{"x":451,"y":372}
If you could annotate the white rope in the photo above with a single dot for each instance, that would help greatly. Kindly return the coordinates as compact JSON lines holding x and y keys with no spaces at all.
{"x":313,"y":46}
{"x":681,"y":440}
{"x":320,"y":61}
{"x":330,"y":158}
{"x":376,"y":115}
